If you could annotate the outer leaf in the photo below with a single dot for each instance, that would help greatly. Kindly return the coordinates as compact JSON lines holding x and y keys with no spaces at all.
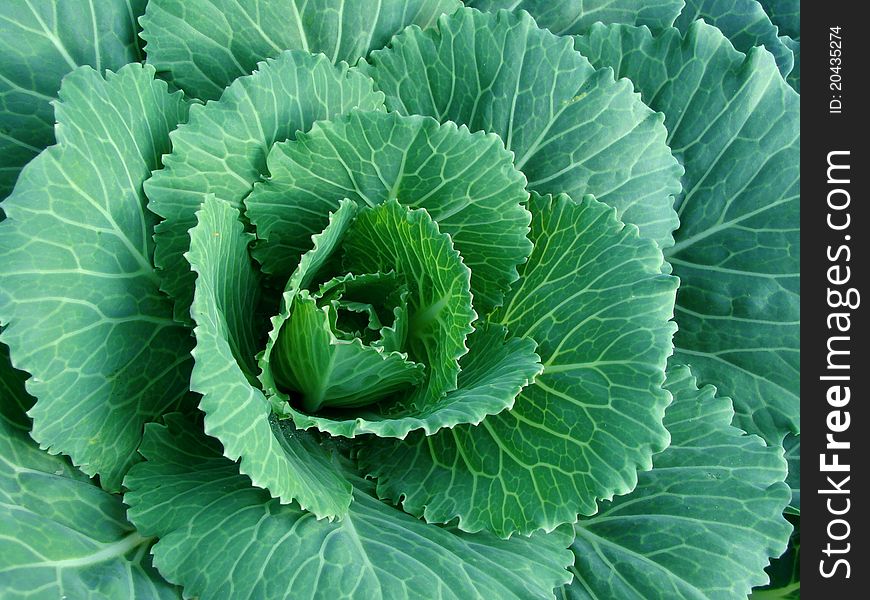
{"x":290,"y":464}
{"x":206,"y":44}
{"x":785,"y":573}
{"x":40,"y":42}
{"x":222,"y":150}
{"x":593,"y":297}
{"x":794,"y":78}
{"x":792,"y":445}
{"x":785,"y":14}
{"x":62,"y":535}
{"x":465,"y":181}
{"x":571,"y":128}
{"x":565,"y":17}
{"x":735,"y":125}
{"x":702,"y":524}
{"x":199,"y":505}
{"x":744,"y":23}
{"x":76,"y":282}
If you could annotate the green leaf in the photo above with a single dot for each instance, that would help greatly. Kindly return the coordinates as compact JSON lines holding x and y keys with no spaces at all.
{"x":330,"y":372}
{"x":744,"y":23}
{"x":77,"y":288}
{"x":565,"y":17}
{"x":792,"y":445}
{"x":40,"y":42}
{"x":785,"y":573}
{"x":735,"y":126}
{"x":593,"y":298}
{"x":376,"y":294}
{"x":794,"y":78}
{"x":392,"y":237}
{"x":324,"y":246}
{"x":62,"y":535}
{"x":702,"y":524}
{"x":785,"y":14}
{"x":222,"y":150}
{"x":571,"y":128}
{"x":491,"y":376}
{"x":341,"y":370}
{"x":308,"y":354}
{"x":205,"y":44}
{"x":465,"y":181}
{"x":323,"y":252}
{"x":198,"y":505}
{"x":290,"y":464}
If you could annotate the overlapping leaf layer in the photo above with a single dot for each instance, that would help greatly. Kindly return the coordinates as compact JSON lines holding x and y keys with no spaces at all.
{"x":393,"y":299}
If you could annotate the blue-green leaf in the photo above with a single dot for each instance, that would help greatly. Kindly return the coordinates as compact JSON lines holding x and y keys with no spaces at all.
{"x":323,"y":370}
{"x":734,"y":123}
{"x":196,"y":502}
{"x":702,"y":524}
{"x":77,"y":287}
{"x":565,"y":17}
{"x":593,"y":298}
{"x":794,"y":78}
{"x":393,"y":238}
{"x":785,"y":14}
{"x":785,"y":572}
{"x":292,"y":465}
{"x":744,"y":23}
{"x":40,"y":42}
{"x":792,"y":446}
{"x":465,"y":181}
{"x":205,"y":44}
{"x":62,"y":535}
{"x":573,"y":129}
{"x":223,"y":149}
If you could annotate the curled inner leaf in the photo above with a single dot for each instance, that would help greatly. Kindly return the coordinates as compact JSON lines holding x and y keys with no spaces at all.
{"x":325,"y":370}
{"x":392,"y":329}
{"x":391,"y":255}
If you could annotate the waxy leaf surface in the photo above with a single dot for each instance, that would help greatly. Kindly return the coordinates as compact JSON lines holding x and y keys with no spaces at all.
{"x":77,"y":287}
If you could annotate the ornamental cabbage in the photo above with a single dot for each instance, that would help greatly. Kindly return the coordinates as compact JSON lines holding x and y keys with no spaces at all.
{"x":402,"y":300}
